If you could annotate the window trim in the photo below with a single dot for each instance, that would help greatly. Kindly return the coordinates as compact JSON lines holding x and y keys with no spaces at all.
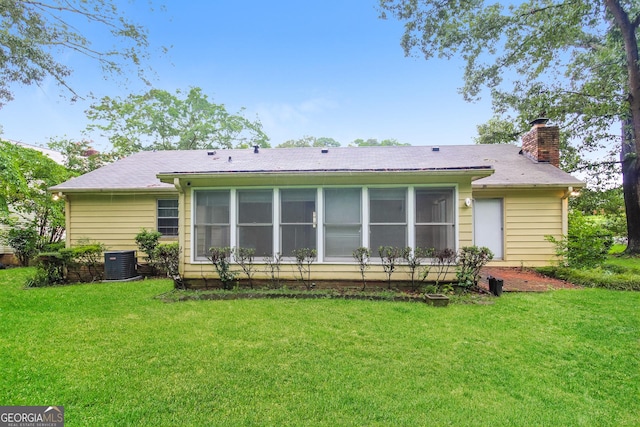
{"x":176,"y":218}
{"x":320,"y":208}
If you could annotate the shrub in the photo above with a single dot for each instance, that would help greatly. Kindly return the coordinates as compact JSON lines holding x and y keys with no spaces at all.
{"x":362,"y":256}
{"x":89,"y":257}
{"x":147,"y":242}
{"x":273,"y":268}
{"x":586,"y":244}
{"x":389,"y":255}
{"x":24,"y":242}
{"x":167,"y":256}
{"x":304,"y":258}
{"x":220,"y":257}
{"x":244,"y":257}
{"x":443,"y":261}
{"x":50,"y":270}
{"x":470,"y":260}
{"x":414,"y":261}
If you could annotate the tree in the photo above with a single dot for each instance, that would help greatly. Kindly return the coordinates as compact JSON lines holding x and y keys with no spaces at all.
{"x":25,"y":175}
{"x":372,"y":142}
{"x":159,"y":120}
{"x":34,"y":35}
{"x":80,"y":156}
{"x":575,"y":62}
{"x":309,"y":141}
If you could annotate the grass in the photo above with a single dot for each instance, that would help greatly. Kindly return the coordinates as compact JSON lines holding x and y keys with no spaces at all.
{"x":113,"y":354}
{"x":618,"y":272}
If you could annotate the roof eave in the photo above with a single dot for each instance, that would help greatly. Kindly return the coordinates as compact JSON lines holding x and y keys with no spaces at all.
{"x":474,"y":172}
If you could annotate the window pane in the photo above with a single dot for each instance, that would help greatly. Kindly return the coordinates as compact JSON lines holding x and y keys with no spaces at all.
{"x":168,"y":203}
{"x":438,"y":237}
{"x":434,"y":206}
{"x":212,"y":207}
{"x":255,"y":207}
{"x":297,"y":237}
{"x":387,"y":235}
{"x":208,"y":236}
{"x":259,"y":238}
{"x":297,"y":206}
{"x":388,"y":205}
{"x":342,"y":205}
{"x":341,"y":240}
{"x":167,"y":217}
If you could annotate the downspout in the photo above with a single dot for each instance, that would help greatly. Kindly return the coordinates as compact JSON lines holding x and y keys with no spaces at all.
{"x":565,"y":210}
{"x":181,"y":223}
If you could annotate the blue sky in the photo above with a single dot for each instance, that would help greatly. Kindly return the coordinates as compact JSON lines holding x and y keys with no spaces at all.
{"x":324,"y":68}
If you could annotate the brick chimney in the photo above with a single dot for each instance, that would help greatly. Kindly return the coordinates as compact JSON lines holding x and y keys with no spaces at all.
{"x":542,"y":143}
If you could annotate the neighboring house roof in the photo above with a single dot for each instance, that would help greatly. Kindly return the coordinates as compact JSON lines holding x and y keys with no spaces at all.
{"x":503,"y":163}
{"x":56,"y":156}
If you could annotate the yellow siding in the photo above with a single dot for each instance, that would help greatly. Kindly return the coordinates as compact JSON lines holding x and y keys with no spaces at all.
{"x":529,"y":216}
{"x":112,"y":219}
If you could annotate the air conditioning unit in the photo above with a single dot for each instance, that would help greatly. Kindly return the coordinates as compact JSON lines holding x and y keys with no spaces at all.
{"x":120,"y":265}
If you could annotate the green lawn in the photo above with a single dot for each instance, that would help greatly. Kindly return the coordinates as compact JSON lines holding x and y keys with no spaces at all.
{"x":112,"y":354}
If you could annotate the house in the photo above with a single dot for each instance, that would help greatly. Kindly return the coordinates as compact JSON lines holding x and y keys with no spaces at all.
{"x":6,"y":252}
{"x":505,"y":197}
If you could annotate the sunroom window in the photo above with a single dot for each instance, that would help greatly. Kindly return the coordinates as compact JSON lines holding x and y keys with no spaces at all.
{"x":387,"y":218}
{"x":297,"y":220}
{"x":435,"y":225}
{"x":255,"y":221}
{"x":212,"y":227}
{"x":342,"y":222}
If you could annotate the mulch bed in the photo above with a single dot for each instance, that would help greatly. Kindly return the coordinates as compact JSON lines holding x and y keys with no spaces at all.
{"x":523,"y":280}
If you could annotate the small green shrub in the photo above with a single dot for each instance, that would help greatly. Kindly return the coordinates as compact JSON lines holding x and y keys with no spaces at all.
{"x":362,"y":256}
{"x":444,"y":260}
{"x":414,"y":261}
{"x":220,"y":257}
{"x":24,"y":242}
{"x":244,"y":257}
{"x":586,"y":244}
{"x":389,"y":256}
{"x":167,"y":258}
{"x":471,"y":259}
{"x":273,"y":268}
{"x":50,"y":270}
{"x":147,"y":242}
{"x":304,"y":258}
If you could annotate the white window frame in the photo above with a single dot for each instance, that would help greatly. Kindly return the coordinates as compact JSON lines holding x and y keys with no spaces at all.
{"x":320,"y":217}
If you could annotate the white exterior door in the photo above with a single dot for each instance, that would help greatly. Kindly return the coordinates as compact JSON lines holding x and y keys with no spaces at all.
{"x":488,"y":225}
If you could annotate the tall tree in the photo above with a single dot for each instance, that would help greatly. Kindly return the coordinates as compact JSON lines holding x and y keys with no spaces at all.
{"x":25,"y":175}
{"x":372,"y":142}
{"x":35,"y":35}
{"x":159,"y":120}
{"x":309,"y":141}
{"x":575,"y":62}
{"x":80,"y":157}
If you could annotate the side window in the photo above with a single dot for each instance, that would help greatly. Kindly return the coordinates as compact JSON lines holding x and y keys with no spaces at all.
{"x":168,"y":217}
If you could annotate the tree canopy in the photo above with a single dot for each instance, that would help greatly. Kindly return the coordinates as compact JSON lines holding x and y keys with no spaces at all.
{"x":35,"y":36}
{"x":25,"y":175}
{"x":309,"y":141}
{"x":574,"y":62}
{"x":373,"y":142}
{"x":159,"y":120}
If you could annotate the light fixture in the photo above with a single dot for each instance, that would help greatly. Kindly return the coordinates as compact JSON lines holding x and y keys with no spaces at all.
{"x":467,"y":202}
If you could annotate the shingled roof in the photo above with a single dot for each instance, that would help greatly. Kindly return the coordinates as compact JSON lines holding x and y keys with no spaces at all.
{"x":140,"y":171}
